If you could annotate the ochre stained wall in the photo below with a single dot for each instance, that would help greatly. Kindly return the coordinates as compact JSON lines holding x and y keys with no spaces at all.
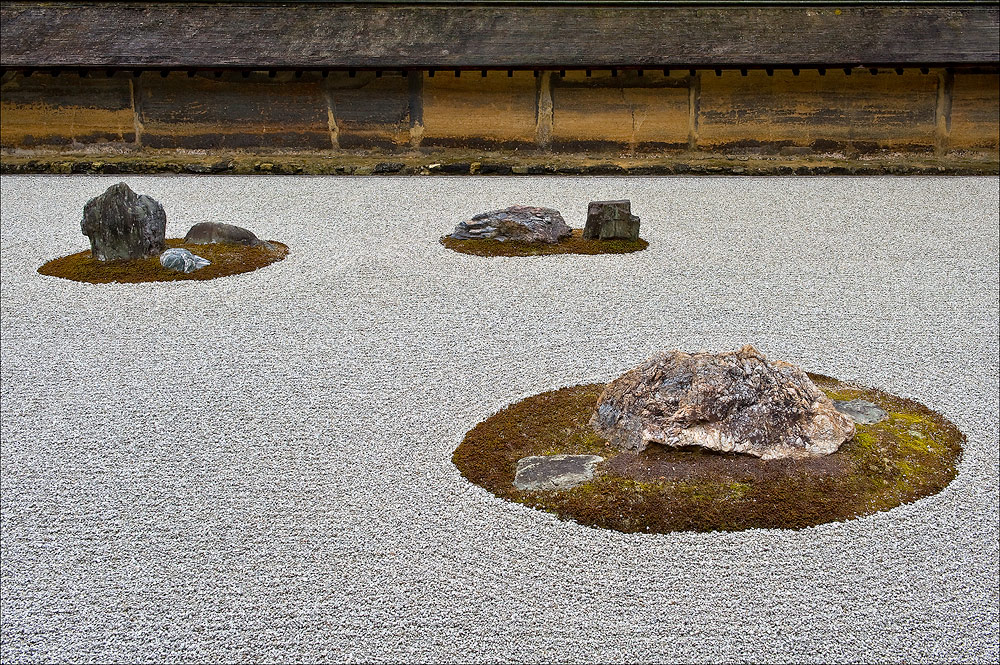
{"x":65,"y":110}
{"x":179,"y":111}
{"x":479,"y":111}
{"x":975,"y":107}
{"x":886,"y":110}
{"x":368,"y":111}
{"x":601,"y":110}
{"x":573,"y":111}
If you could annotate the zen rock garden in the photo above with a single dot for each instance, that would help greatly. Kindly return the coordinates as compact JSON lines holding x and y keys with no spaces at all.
{"x":127,"y":233}
{"x":712,"y":441}
{"x":519,"y":230}
{"x":684,"y":441}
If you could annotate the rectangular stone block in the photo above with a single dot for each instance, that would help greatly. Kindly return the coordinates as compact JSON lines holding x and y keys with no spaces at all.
{"x":370,"y":111}
{"x":43,"y":110}
{"x":608,"y":220}
{"x":205,"y":112}
{"x":624,"y":110}
{"x":975,"y":112}
{"x":826,"y":111}
{"x":473,"y":111}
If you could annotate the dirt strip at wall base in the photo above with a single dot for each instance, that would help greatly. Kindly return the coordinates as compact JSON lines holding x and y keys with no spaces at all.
{"x":449,"y":162}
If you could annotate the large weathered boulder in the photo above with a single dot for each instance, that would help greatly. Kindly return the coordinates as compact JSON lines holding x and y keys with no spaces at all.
{"x":517,"y":224}
{"x":608,"y":220}
{"x":728,"y":402}
{"x":123,"y":225}
{"x":204,"y":233}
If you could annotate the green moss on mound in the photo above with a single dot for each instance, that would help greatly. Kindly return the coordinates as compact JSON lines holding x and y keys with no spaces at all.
{"x":911,"y":455}
{"x":227,"y":259}
{"x":575,"y":244}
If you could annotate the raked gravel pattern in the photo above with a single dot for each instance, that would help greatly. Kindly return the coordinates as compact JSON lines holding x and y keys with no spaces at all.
{"x":257,"y":468}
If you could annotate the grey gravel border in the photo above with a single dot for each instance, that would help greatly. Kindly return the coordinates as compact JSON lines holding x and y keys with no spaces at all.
{"x":257,"y":468}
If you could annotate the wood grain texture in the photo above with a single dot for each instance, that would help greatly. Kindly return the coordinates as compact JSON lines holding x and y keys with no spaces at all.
{"x":36,"y":34}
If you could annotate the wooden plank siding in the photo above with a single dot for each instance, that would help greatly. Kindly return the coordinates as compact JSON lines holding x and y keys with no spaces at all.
{"x":170,"y":35}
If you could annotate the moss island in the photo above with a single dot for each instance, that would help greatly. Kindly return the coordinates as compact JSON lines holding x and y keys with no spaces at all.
{"x":574,"y":244}
{"x":226,"y":259}
{"x":910,"y":455}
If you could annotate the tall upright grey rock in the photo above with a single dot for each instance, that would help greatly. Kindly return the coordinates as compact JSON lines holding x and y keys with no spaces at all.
{"x":124,"y":225}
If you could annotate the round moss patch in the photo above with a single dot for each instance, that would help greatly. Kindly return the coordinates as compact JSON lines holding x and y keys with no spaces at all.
{"x":574,"y":244}
{"x":910,"y":455}
{"x":227,"y":259}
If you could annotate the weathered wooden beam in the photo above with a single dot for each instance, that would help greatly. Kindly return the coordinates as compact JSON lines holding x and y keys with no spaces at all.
{"x":329,"y":35}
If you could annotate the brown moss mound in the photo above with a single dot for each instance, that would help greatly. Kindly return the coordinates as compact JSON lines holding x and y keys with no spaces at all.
{"x":910,"y":455}
{"x":226,"y":260}
{"x":574,"y":244}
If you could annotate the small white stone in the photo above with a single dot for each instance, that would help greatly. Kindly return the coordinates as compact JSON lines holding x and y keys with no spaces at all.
{"x":182,"y":260}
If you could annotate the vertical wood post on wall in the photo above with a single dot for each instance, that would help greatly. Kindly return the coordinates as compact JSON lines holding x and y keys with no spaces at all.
{"x":694,"y":103}
{"x":416,"y":89}
{"x":133,"y":87}
{"x":543,"y":126}
{"x":946,"y":87}
{"x":331,"y":116}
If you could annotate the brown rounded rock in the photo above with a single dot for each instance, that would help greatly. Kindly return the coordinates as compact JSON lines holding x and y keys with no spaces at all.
{"x":204,"y":233}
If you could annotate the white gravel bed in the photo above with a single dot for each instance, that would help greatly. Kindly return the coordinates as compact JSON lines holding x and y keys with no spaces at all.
{"x":257,"y":468}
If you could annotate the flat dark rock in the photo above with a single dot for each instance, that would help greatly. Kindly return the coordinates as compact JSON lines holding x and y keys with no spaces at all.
{"x":554,"y":472}
{"x":861,"y":411}
{"x":204,"y":233}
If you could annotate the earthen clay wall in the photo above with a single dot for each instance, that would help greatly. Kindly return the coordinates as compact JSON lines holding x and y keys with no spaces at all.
{"x":781,"y":111}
